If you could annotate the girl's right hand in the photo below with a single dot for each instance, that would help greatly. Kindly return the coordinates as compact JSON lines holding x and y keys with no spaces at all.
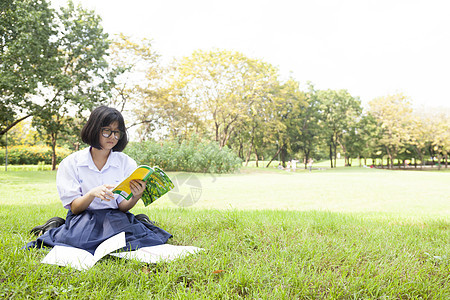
{"x":103,"y":192}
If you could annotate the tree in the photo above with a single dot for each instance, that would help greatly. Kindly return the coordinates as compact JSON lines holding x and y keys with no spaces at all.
{"x":254,"y":130}
{"x":338,"y":113}
{"x":310,"y":133}
{"x":221,"y":87}
{"x":394,"y":117}
{"x":441,"y":137}
{"x":27,"y":57}
{"x":363,"y":139}
{"x":144,"y":89}
{"x":291,"y":127}
{"x":137,"y":67}
{"x":79,"y":81}
{"x":165,"y":113}
{"x":421,"y":135}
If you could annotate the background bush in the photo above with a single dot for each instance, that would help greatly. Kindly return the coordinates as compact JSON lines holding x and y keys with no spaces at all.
{"x":32,"y":155}
{"x":189,"y":156}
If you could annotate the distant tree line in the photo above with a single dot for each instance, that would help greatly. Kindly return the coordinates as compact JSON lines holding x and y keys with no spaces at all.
{"x":65,"y":64}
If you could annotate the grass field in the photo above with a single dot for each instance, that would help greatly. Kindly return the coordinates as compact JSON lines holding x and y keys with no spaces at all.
{"x":348,"y":233}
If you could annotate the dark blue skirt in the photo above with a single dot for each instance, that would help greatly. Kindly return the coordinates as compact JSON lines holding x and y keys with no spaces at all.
{"x":90,"y":228}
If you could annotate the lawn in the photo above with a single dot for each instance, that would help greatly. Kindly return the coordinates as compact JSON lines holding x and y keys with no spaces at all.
{"x":402,"y":193}
{"x":268,"y":234}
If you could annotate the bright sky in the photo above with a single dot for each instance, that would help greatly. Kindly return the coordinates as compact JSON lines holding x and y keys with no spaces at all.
{"x":371,"y":48}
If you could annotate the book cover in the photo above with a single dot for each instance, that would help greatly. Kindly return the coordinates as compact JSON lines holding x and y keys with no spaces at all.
{"x":158,"y":184}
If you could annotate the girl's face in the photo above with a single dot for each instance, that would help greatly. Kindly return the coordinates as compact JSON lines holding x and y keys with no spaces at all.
{"x":110,"y":136}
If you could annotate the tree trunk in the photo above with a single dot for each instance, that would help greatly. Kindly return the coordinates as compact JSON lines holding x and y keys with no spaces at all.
{"x":390,"y":162}
{"x":344,"y":151}
{"x":217,"y":132}
{"x":53,"y":135}
{"x":240,"y":150}
{"x":283,"y":157}
{"x":276,"y":154}
{"x":335,"y":155}
{"x":249,"y":153}
{"x":306,"y":158}
{"x":335,"y":150}
{"x":432,"y":156}
{"x":227,"y":131}
{"x":6,"y":151}
{"x":331,"y":155}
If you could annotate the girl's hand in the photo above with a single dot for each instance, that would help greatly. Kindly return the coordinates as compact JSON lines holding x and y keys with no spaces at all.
{"x":103,"y":192}
{"x":137,"y":188}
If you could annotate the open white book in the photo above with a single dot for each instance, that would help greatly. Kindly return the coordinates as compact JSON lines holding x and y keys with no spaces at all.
{"x":82,"y":260}
{"x":154,"y":254}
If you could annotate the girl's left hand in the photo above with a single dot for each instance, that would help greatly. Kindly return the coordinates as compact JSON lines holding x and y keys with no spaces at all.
{"x":137,"y":187}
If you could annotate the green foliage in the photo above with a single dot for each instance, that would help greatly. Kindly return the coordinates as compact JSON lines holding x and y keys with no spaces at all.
{"x":58,"y":55}
{"x":32,"y":155}
{"x":81,"y":80}
{"x":221,"y":89}
{"x":189,"y":156}
{"x":27,"y":56}
{"x":339,"y":113}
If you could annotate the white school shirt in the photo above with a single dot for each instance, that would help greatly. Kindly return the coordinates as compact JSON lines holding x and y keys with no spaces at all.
{"x":77,"y":175}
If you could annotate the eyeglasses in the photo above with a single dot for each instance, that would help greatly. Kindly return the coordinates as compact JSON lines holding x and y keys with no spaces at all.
{"x":106,"y":132}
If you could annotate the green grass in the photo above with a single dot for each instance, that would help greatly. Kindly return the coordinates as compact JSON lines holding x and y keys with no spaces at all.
{"x":349,"y":233}
{"x":399,"y":193}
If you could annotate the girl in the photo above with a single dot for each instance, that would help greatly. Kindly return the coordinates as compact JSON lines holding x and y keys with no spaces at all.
{"x":84,"y":182}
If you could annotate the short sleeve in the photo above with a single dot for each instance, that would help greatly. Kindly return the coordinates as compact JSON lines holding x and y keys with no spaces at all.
{"x":67,"y":183}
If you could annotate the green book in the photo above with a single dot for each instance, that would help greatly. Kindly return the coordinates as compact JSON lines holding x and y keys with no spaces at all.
{"x":158,"y":184}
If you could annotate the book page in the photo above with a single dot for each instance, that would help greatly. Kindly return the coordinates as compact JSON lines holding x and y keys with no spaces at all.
{"x":137,"y":255}
{"x":158,"y":253}
{"x":169,"y":252}
{"x":81,"y":259}
{"x":112,"y":244}
{"x":69,"y":256}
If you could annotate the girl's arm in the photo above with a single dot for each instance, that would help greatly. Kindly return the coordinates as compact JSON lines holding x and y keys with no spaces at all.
{"x":137,"y":188}
{"x":82,"y":203}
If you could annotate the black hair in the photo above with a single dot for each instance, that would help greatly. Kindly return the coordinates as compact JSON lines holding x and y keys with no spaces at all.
{"x":100,"y":117}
